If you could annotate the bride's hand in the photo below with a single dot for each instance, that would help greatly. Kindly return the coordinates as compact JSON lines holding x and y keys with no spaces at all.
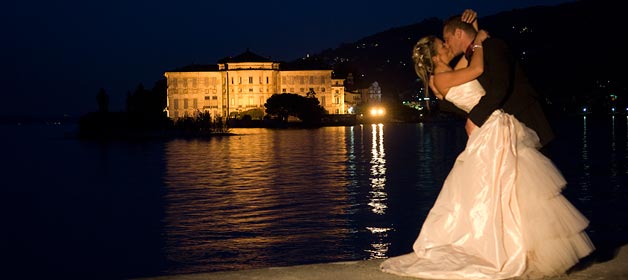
{"x":469,"y":16}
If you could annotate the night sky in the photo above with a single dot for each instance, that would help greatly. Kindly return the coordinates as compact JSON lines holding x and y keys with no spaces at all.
{"x":56,"y":55}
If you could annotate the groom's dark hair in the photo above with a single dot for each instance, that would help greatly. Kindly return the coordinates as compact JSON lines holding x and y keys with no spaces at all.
{"x":455,"y":22}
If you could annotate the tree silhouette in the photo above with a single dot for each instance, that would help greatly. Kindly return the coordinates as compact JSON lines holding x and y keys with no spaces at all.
{"x":145,"y":102}
{"x":290,"y":104}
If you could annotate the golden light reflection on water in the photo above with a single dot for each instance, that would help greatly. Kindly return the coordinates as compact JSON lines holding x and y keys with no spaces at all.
{"x":378,"y":195}
{"x":378,"y":171}
{"x":379,"y":249}
{"x":253,"y":198}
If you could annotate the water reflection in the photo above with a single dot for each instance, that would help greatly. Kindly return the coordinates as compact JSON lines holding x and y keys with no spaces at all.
{"x":584,"y":180}
{"x":378,"y":195}
{"x":378,"y":170}
{"x":614,"y":168}
{"x":259,"y":198}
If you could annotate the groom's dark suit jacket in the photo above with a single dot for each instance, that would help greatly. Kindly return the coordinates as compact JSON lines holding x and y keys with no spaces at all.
{"x":507,"y":87}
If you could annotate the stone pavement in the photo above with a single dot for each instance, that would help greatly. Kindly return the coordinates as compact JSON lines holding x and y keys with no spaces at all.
{"x":616,"y":268}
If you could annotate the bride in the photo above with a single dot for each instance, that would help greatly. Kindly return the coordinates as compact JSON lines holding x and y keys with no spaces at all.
{"x":500,"y":213}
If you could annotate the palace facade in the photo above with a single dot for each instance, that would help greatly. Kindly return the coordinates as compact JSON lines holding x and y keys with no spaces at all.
{"x":244,"y":82}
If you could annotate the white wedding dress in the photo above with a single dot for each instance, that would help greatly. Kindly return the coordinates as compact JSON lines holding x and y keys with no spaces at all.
{"x":500,"y":213}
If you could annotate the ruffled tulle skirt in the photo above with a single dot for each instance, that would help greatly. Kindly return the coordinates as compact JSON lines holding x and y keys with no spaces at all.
{"x":500,"y":213}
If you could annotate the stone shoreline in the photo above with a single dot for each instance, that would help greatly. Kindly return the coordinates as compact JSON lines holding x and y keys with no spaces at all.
{"x":615,"y":268}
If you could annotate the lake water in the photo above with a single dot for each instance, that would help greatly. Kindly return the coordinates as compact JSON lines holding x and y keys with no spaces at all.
{"x":265,"y":197}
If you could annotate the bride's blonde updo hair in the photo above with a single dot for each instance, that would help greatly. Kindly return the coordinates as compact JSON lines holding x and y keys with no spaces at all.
{"x":422,"y":55}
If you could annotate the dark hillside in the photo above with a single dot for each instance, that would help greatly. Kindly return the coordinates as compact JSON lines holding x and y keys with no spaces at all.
{"x":570,"y":52}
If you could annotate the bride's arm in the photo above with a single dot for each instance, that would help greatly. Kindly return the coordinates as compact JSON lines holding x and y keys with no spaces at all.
{"x":445,"y":80}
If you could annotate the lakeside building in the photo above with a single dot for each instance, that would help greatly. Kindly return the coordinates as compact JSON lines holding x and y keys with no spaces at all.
{"x":244,"y":82}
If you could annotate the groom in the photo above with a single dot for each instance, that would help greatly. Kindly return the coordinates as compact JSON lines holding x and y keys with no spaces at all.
{"x":504,"y":81}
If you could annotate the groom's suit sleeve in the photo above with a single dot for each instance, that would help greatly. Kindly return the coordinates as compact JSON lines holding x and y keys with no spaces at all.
{"x":497,"y":80}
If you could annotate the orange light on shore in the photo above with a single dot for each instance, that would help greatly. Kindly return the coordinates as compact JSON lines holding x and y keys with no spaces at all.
{"x":377,"y":111}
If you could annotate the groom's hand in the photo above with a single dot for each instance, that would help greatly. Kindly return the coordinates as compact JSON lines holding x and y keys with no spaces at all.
{"x":469,"y":126}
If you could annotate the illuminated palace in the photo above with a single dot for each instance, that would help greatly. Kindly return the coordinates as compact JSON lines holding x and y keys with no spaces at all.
{"x":244,"y":82}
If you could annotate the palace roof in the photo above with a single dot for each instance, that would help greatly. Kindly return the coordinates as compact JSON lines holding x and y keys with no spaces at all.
{"x":247,"y":56}
{"x":196,"y":68}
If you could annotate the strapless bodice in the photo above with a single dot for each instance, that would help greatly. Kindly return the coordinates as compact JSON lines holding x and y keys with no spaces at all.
{"x":466,"y":96}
